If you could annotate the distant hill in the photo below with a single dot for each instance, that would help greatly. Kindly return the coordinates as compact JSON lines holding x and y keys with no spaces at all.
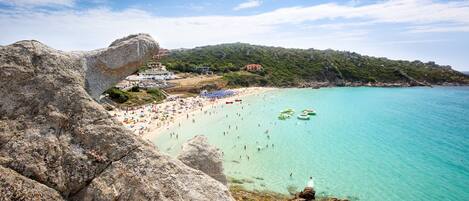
{"x":291,"y":67}
{"x":465,"y":72}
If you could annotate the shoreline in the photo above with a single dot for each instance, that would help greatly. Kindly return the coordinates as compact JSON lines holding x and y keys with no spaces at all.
{"x":150,"y":120}
{"x":156,"y":130}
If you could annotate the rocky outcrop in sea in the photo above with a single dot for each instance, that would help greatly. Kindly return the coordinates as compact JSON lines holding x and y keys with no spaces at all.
{"x":58,"y":143}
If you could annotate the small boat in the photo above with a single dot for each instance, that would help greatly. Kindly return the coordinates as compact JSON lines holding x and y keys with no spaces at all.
{"x":303,"y":117}
{"x":229,"y":102}
{"x":309,"y":111}
{"x":238,"y":100}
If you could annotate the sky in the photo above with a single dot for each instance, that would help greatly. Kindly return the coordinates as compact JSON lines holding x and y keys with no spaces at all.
{"x":425,"y":30}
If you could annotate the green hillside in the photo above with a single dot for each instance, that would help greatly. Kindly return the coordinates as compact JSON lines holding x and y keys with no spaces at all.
{"x":289,"y":67}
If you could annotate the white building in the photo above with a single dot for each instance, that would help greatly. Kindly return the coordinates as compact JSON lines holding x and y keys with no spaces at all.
{"x":156,"y":74}
{"x":154,"y":77}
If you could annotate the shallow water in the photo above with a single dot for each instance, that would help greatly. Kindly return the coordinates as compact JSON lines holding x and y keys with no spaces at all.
{"x":366,"y":143}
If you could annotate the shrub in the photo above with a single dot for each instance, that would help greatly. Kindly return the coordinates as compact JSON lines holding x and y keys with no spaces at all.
{"x":156,"y":94}
{"x":245,"y":79}
{"x":135,"y":89}
{"x":117,"y":95}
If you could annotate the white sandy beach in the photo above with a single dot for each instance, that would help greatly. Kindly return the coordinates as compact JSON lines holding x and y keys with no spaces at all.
{"x":149,"y":120}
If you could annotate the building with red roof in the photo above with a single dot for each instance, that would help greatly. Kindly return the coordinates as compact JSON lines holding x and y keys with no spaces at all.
{"x":253,"y":67}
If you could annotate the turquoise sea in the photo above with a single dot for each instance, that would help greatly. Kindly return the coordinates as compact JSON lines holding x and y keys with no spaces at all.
{"x":365,"y":143}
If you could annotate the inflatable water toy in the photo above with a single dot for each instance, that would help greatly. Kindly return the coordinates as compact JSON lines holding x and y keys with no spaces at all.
{"x":303,"y":117}
{"x":309,"y":111}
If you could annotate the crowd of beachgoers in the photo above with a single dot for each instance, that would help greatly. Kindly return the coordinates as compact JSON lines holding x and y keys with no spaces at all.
{"x":152,"y":117}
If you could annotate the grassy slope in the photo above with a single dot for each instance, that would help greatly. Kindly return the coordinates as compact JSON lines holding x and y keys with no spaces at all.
{"x":288,"y":67}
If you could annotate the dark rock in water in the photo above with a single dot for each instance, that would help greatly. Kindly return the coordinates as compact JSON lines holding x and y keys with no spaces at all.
{"x":235,"y":181}
{"x":308,"y":194}
{"x":58,"y":143}
{"x":259,"y":178}
{"x":240,"y":181}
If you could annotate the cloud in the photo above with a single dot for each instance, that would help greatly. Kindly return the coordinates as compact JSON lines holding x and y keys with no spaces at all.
{"x":35,"y":3}
{"x":248,"y":4}
{"x":87,"y":29}
{"x":439,"y":29}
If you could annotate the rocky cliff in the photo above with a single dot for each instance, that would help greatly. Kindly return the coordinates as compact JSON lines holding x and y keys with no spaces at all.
{"x":57,"y":143}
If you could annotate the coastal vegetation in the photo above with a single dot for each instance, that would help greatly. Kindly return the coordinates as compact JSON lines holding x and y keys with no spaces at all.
{"x":291,"y":67}
{"x":117,"y":95}
{"x":244,"y":79}
{"x":135,"y":96}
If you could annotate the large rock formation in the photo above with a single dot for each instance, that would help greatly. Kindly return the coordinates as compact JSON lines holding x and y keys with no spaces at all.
{"x":105,"y":67}
{"x":200,"y":155}
{"x":56,"y":139}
